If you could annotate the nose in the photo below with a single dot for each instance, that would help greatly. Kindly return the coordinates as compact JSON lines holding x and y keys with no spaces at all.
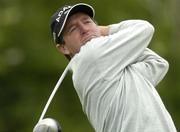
{"x":83,"y":28}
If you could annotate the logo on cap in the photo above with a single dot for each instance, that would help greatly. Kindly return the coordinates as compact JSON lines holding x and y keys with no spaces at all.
{"x":64,"y":10}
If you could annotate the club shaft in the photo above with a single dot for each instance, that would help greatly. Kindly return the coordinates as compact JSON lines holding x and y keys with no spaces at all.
{"x":54,"y":92}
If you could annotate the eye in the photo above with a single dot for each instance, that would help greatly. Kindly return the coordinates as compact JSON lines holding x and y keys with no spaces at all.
{"x":72,"y":29}
{"x":87,"y":21}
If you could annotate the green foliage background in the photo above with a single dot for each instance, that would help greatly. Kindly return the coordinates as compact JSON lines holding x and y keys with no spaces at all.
{"x":30,"y":65}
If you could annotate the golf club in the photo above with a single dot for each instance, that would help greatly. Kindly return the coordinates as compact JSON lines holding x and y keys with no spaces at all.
{"x":49,"y":124}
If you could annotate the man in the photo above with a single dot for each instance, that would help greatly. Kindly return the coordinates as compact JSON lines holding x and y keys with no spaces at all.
{"x":114,"y":73}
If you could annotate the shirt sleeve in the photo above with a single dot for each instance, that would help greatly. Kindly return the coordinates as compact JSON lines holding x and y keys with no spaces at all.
{"x":126,"y":41}
{"x":152,"y":66}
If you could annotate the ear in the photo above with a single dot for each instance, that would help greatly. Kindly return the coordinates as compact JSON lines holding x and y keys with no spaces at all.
{"x":63,"y":49}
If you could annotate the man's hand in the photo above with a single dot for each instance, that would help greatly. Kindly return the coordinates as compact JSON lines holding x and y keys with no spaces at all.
{"x":104,"y":30}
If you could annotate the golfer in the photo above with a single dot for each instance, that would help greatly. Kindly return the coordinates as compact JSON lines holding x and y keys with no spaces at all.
{"x":113,"y":71}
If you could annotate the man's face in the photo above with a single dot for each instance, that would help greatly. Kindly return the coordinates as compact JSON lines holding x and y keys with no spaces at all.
{"x":79,"y":29}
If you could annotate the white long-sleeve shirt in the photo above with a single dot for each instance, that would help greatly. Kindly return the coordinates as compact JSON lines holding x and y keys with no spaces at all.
{"x":114,"y":77}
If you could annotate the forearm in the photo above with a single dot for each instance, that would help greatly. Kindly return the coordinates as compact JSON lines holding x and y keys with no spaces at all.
{"x":132,"y":36}
{"x":125,"y":42}
{"x":129,"y":24}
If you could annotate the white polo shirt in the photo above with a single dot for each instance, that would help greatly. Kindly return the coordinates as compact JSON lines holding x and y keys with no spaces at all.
{"x":114,"y":77}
